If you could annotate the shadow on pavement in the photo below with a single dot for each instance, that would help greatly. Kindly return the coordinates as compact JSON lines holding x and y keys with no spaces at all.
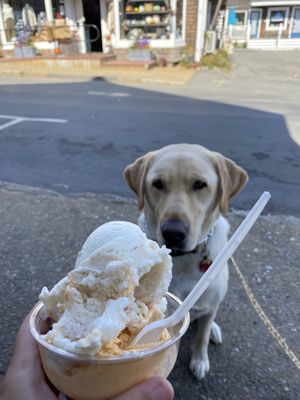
{"x":110,"y":125}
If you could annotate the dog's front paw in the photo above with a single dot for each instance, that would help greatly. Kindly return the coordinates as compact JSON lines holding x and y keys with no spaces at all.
{"x":199,"y":366}
{"x":215,"y":333}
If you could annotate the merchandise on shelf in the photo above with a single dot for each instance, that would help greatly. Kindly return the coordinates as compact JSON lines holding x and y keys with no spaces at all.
{"x":146,"y":19}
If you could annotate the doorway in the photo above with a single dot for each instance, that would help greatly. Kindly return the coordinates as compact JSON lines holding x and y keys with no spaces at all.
{"x":255,"y":21}
{"x":296,"y":23}
{"x":91,"y":11}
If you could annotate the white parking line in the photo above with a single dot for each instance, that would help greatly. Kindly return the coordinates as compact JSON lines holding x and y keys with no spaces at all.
{"x":15,"y":119}
{"x":113,"y":94}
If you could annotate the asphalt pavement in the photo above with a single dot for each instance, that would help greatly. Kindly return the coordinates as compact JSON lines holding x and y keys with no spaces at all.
{"x":41,"y":233}
{"x":105,"y":126}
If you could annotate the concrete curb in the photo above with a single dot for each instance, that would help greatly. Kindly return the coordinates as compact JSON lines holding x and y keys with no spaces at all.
{"x":167,"y":77}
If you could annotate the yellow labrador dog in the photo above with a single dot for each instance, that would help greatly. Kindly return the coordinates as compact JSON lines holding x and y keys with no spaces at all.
{"x":183,"y":193}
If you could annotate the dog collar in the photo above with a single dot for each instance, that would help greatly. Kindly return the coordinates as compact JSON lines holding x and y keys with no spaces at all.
{"x":200,"y":248}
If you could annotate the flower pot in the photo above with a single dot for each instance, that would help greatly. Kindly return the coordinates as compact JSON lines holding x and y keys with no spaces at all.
{"x":140,"y":55}
{"x":24,"y":52}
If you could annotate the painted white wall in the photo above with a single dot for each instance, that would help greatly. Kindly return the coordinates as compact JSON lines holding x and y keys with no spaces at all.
{"x":201,"y":28}
{"x":2,"y":32}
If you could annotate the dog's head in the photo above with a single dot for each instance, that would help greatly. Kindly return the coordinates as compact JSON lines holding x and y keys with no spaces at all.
{"x":182,"y":189}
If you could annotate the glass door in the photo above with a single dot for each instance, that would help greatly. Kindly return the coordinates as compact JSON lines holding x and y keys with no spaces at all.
{"x":296,"y":24}
{"x":255,"y":18}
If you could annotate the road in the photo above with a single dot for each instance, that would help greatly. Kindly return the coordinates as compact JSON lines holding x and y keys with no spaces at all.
{"x":107,"y":126}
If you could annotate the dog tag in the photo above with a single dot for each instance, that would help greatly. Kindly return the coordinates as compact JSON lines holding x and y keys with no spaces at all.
{"x":204,"y":264}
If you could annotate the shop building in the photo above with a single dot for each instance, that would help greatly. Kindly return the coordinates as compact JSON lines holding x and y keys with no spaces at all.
{"x":107,"y":25}
{"x":264,"y":24}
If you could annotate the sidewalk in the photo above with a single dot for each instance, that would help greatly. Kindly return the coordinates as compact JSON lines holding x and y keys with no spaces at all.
{"x":42,"y":232}
{"x":91,"y":69}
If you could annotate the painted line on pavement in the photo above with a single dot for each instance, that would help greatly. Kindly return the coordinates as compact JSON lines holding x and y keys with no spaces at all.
{"x":113,"y":94}
{"x":15,"y":119}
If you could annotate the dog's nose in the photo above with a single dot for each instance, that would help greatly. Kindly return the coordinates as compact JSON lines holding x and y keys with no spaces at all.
{"x":174,"y":232}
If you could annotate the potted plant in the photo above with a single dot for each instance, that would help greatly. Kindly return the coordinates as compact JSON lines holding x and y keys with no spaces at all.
{"x":140,"y":50}
{"x":23,"y":46}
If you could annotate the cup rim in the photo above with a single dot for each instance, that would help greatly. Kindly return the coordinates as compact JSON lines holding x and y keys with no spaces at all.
{"x":125,"y":357}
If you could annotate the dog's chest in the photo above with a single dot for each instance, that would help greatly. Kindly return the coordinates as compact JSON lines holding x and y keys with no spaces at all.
{"x":186,"y":272}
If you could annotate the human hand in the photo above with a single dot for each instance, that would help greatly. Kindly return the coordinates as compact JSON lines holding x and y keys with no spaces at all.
{"x":25,"y":378}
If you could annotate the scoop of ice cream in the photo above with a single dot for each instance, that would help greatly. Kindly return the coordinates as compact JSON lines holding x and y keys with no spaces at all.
{"x":119,"y":282}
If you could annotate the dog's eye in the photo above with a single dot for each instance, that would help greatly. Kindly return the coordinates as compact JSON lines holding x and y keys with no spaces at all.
{"x":198,"y":185}
{"x":158,"y":184}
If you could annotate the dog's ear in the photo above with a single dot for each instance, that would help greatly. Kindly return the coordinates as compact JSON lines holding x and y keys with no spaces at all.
{"x":135,"y":175}
{"x":232,"y":179}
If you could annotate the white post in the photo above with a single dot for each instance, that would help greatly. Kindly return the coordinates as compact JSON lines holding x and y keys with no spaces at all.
{"x":184,"y":20}
{"x":49,"y":10}
{"x":225,"y":28}
{"x":201,"y":27}
{"x":82,"y":38}
{"x":117,"y":22}
{"x":104,"y":27}
{"x":2,"y":31}
{"x":248,"y":32}
{"x":230,"y":31}
{"x":279,"y":36}
{"x":173,"y":21}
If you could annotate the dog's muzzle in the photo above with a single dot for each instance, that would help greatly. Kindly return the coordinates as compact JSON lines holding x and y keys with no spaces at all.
{"x":174,"y":233}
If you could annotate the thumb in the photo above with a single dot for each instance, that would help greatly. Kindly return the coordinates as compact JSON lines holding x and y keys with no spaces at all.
{"x":150,"y":389}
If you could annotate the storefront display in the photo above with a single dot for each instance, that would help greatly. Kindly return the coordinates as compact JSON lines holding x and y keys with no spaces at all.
{"x":147,"y":19}
{"x":8,"y":21}
{"x":116,"y":24}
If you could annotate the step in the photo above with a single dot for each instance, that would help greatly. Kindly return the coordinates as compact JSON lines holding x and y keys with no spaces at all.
{"x":129,"y":64}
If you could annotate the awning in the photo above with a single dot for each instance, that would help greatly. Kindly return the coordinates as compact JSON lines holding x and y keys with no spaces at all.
{"x":231,"y":16}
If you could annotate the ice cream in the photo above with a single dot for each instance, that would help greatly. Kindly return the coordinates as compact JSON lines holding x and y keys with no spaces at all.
{"x":117,"y":287}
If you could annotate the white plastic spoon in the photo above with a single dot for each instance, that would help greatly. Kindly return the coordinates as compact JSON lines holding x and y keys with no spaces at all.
{"x":150,"y":333}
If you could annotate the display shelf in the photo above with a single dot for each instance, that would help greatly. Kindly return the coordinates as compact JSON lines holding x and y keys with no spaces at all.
{"x":147,"y":12}
{"x":145,"y":25}
{"x":146,"y":1}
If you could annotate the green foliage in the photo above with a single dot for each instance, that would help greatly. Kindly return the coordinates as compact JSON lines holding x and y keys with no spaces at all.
{"x":219,"y":59}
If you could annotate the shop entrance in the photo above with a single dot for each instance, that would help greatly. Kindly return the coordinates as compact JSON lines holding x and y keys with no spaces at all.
{"x":91,"y":11}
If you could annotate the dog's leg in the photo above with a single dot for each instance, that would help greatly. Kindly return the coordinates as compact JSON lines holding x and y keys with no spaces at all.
{"x":215,"y":333}
{"x":199,"y":362}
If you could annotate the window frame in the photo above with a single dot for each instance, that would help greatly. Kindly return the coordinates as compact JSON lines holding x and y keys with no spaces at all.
{"x":172,"y":42}
{"x":245,"y":12}
{"x":285,"y":22}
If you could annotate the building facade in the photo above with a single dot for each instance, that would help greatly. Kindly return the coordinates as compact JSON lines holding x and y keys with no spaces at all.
{"x":106,"y":25}
{"x":264,"y":24}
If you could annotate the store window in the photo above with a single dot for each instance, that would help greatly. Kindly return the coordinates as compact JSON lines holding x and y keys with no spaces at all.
{"x":277,"y":17}
{"x":179,"y":19}
{"x":240,"y":18}
{"x":58,"y":9}
{"x":21,"y":18}
{"x":145,"y":19}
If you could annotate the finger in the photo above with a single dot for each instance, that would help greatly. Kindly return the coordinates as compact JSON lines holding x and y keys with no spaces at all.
{"x":26,"y":369}
{"x":26,"y":360}
{"x":25,"y":346}
{"x":151,"y":389}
